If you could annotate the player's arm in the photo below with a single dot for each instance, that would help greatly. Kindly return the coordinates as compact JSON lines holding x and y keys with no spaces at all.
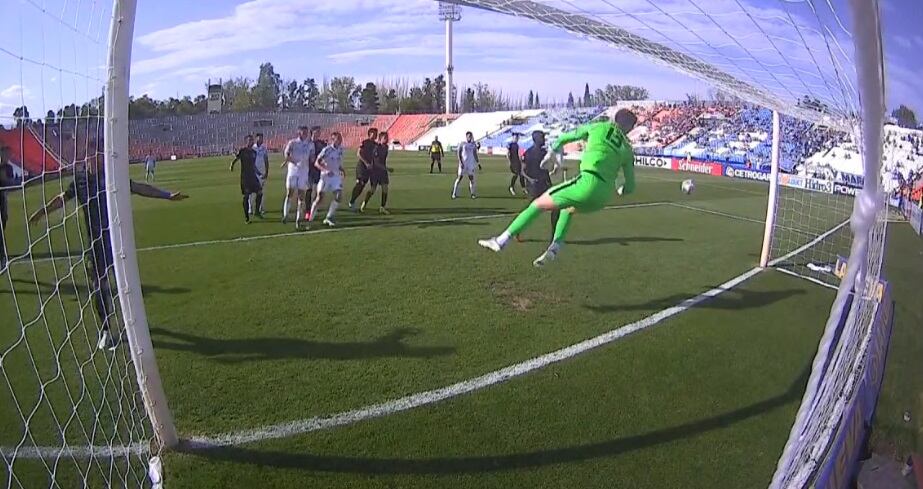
{"x":629,"y":171}
{"x":460,"y":152}
{"x":266,"y":165}
{"x":288,"y":155}
{"x":153,"y":192}
{"x":320,"y":164}
{"x":579,"y":134}
{"x":236,"y":159}
{"x":362,"y":158}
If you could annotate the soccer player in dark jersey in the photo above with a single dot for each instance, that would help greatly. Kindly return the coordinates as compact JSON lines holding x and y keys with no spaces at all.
{"x":249,"y":178}
{"x":366,"y":155}
{"x":7,"y":181}
{"x":538,"y":178}
{"x":436,"y":153}
{"x":313,"y":173}
{"x":512,"y":155}
{"x":379,"y":176}
{"x":89,"y":188}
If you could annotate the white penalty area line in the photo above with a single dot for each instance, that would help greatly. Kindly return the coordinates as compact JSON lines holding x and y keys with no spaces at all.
{"x":89,"y":452}
{"x":433,"y":396}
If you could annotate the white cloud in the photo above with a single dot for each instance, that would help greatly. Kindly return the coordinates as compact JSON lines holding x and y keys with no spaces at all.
{"x":902,"y":41}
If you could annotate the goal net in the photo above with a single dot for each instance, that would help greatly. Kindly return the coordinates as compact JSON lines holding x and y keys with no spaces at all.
{"x":80,"y":400}
{"x":808,"y":62}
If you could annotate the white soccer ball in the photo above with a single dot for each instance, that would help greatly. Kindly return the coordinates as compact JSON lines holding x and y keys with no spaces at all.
{"x":688,"y":186}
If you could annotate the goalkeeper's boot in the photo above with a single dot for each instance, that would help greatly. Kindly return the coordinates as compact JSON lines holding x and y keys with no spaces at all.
{"x":548,"y":256}
{"x":491,"y":244}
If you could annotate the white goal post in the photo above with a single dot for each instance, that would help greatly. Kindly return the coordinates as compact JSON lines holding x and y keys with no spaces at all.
{"x":122,"y":231}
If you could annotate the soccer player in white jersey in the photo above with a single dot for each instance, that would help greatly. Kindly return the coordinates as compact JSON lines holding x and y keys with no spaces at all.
{"x":330,"y":164}
{"x":262,"y":170}
{"x":299,"y":155}
{"x":150,"y":165}
{"x":467,"y":165}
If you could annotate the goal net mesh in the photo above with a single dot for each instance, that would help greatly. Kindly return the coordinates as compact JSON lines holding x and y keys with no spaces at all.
{"x":797,"y":58}
{"x":71,"y":414}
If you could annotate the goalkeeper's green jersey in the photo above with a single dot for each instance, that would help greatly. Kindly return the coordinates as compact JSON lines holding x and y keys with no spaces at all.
{"x":607,"y":152}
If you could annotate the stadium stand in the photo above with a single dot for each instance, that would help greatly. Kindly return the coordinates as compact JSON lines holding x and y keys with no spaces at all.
{"x":408,"y":129}
{"x":218,"y":134}
{"x":481,"y":124}
{"x":28,"y":154}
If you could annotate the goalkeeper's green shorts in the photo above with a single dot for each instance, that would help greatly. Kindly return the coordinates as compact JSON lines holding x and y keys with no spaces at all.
{"x":586,"y":193}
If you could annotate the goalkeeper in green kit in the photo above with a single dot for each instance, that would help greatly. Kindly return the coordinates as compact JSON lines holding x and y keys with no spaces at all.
{"x":607,"y":153}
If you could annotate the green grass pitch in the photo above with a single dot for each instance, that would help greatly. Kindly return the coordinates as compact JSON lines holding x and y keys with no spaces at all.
{"x":259,"y":325}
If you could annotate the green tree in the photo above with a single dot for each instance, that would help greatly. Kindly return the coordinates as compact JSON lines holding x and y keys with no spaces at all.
{"x":570,"y":100}
{"x":311,"y":95}
{"x":538,"y":101}
{"x":905,"y":117}
{"x":438,"y":94}
{"x":341,"y":94}
{"x":238,"y":95}
{"x":587,"y":98}
{"x":268,"y":89}
{"x":531,"y":102}
{"x":21,"y":114}
{"x":390,"y":103}
{"x":368,"y":99}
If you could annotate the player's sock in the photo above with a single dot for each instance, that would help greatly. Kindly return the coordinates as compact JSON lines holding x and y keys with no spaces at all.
{"x":523,"y":220}
{"x":560,"y":229}
{"x":455,"y":187}
{"x":357,"y":190}
{"x":332,"y":210}
{"x":247,"y":207}
{"x":555,"y":215}
{"x":472,"y":187}
{"x":313,"y":210}
{"x":368,"y":197}
{"x":300,"y":213}
{"x":522,"y":181}
{"x":259,"y":204}
{"x":285,"y":208}
{"x":513,"y":182}
{"x":384,"y":199}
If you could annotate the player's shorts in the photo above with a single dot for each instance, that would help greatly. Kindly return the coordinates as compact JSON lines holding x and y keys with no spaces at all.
{"x":538,"y":187}
{"x":298,"y":179}
{"x":363,"y":173}
{"x":436,"y":156}
{"x":333,"y":183}
{"x":586,"y":193}
{"x":379,"y":176}
{"x":250,"y":185}
{"x":515,"y":168}
{"x":467,"y":170}
{"x":149,"y":168}
{"x":313,"y":175}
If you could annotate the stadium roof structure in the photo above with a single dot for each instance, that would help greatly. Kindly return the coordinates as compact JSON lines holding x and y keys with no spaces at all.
{"x":793,"y":56}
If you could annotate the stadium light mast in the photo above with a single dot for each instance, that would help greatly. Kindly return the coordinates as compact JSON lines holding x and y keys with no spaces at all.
{"x":449,"y":13}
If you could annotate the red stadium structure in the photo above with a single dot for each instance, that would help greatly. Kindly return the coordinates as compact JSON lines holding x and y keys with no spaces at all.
{"x":28,"y":152}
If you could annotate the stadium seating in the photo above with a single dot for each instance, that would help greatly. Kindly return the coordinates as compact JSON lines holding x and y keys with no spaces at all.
{"x":481,"y":124}
{"x":408,"y":128}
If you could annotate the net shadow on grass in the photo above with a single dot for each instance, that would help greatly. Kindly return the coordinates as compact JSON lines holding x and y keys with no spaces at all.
{"x":734,"y":300}
{"x":622,"y":241}
{"x":68,"y":287}
{"x":242,"y":350}
{"x":496,"y":463}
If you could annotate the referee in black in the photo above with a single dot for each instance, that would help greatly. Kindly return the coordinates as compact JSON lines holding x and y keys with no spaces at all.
{"x":538,"y":180}
{"x":89,"y":188}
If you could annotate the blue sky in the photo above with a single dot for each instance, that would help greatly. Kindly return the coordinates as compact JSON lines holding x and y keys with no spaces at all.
{"x":179,"y":44}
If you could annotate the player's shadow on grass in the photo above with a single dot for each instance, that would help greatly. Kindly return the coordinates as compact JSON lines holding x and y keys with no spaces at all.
{"x":279,"y":348}
{"x":622,"y":241}
{"x":513,"y":461}
{"x":734,"y":299}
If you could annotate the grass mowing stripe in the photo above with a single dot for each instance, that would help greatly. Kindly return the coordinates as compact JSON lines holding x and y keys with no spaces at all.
{"x":293,"y":428}
{"x":329,"y":230}
{"x":717,"y":213}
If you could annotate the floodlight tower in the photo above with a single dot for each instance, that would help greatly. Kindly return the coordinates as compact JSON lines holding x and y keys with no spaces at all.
{"x":450,"y":13}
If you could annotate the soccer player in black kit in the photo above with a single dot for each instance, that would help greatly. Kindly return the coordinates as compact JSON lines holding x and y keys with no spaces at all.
{"x":538,"y":179}
{"x":7,"y":181}
{"x":249,"y":178}
{"x":366,"y":155}
{"x":512,"y":155}
{"x":313,"y":172}
{"x":379,"y":175}
{"x":89,"y":188}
